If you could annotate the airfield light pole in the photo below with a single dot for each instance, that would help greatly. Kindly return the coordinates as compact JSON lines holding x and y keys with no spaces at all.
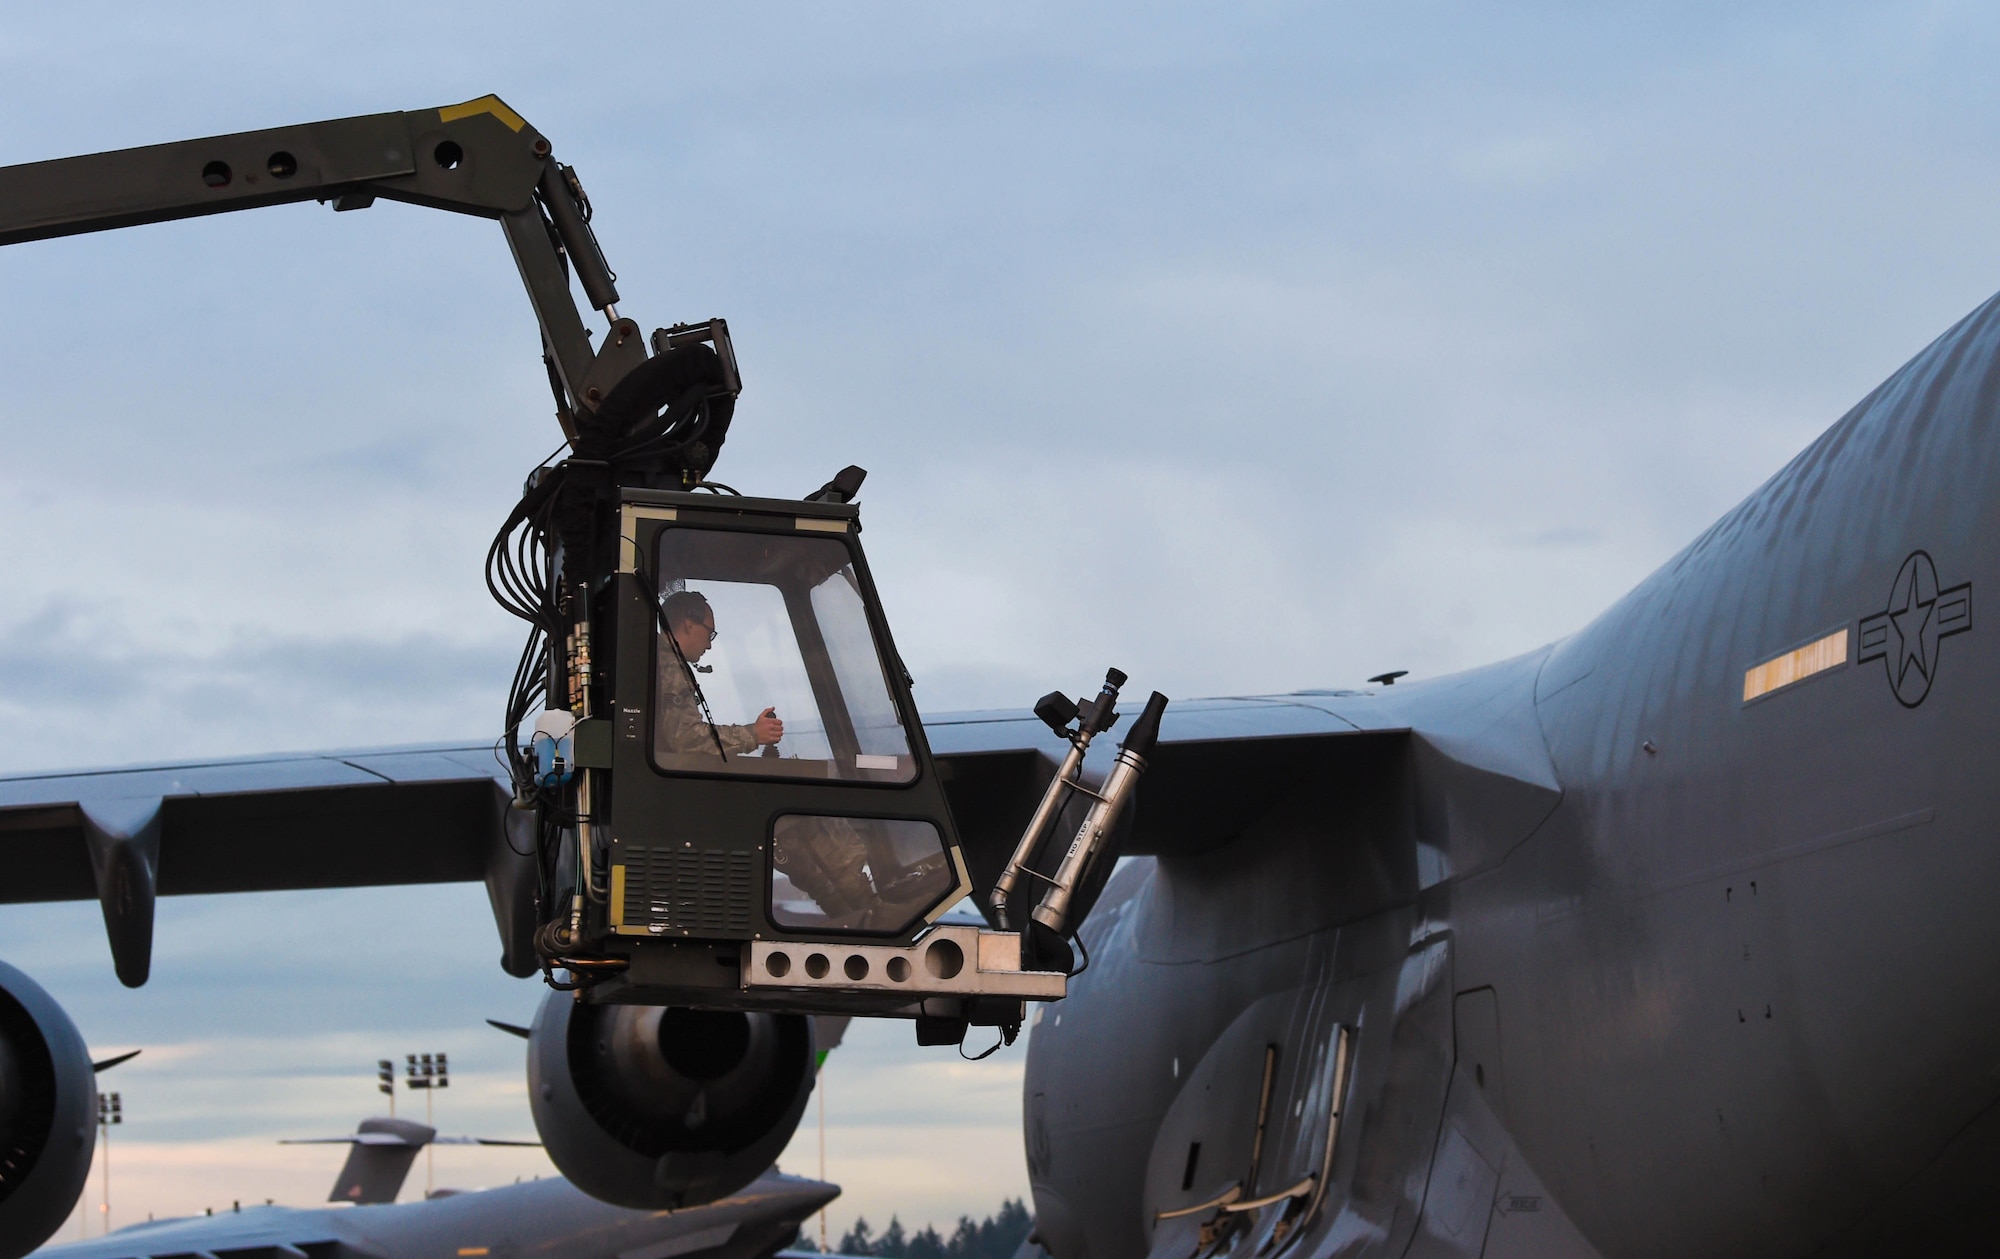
{"x":385,"y":1082}
{"x":820,"y":1088}
{"x":110,"y":1110}
{"x":427,"y":1072}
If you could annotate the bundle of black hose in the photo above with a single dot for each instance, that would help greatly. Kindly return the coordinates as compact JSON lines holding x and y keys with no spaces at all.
{"x":1146,"y":731}
{"x":681,"y":379}
{"x":541,"y":483}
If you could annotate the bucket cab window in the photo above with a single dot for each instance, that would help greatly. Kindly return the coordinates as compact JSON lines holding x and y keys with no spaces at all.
{"x":766,"y":664}
{"x":871,"y":876}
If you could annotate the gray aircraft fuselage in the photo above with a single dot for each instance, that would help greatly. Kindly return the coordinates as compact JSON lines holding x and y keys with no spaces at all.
{"x":551,"y":1218}
{"x":1634,"y":965}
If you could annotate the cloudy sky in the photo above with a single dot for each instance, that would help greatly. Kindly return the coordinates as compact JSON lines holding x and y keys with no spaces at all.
{"x":1247,"y":347}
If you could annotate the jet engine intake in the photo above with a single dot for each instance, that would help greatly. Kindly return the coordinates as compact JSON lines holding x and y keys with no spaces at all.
{"x":657,"y":1107}
{"x":48,"y":1102}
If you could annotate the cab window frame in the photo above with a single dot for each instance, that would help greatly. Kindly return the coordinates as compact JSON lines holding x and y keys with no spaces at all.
{"x":885,"y":657}
{"x":930,"y":913}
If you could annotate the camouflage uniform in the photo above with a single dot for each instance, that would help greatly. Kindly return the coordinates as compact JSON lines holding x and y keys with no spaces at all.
{"x":679,"y":729}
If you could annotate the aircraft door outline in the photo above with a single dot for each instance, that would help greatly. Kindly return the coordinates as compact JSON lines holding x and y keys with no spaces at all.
{"x":1255,"y":1202}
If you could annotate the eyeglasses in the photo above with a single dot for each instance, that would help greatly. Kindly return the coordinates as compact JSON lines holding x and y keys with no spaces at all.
{"x":713,"y":634}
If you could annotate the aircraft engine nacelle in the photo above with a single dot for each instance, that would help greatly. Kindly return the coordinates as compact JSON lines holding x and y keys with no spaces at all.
{"x":48,"y":1104}
{"x":657,"y":1107}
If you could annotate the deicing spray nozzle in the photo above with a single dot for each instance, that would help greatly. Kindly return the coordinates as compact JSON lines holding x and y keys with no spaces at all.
{"x":1057,"y":710}
{"x":1048,"y":936}
{"x":1145,"y":732}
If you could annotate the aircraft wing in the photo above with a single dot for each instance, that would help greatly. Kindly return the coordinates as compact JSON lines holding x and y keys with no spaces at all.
{"x":1215,"y":759}
{"x":1456,"y":765}
{"x":439,"y":814}
{"x":338,"y":819}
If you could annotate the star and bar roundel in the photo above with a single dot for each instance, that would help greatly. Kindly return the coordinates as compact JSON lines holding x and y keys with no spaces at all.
{"x":1907,"y":633}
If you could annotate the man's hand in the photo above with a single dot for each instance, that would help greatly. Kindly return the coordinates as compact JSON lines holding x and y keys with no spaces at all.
{"x":768,"y":728}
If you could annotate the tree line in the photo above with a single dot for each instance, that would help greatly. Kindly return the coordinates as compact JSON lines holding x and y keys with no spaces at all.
{"x":997,"y":1236}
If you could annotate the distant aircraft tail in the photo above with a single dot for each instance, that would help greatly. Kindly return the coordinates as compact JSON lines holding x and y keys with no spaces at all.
{"x":380,"y":1160}
{"x":381,"y":1155}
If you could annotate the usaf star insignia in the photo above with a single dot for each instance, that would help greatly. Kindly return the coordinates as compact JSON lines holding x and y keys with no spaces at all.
{"x":1905,"y":635}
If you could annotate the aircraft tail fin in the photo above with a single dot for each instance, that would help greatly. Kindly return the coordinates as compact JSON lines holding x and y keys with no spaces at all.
{"x":379,"y":1160}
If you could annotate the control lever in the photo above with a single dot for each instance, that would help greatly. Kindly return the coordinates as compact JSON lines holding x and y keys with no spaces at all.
{"x":1045,"y":945}
{"x":1093,"y":717}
